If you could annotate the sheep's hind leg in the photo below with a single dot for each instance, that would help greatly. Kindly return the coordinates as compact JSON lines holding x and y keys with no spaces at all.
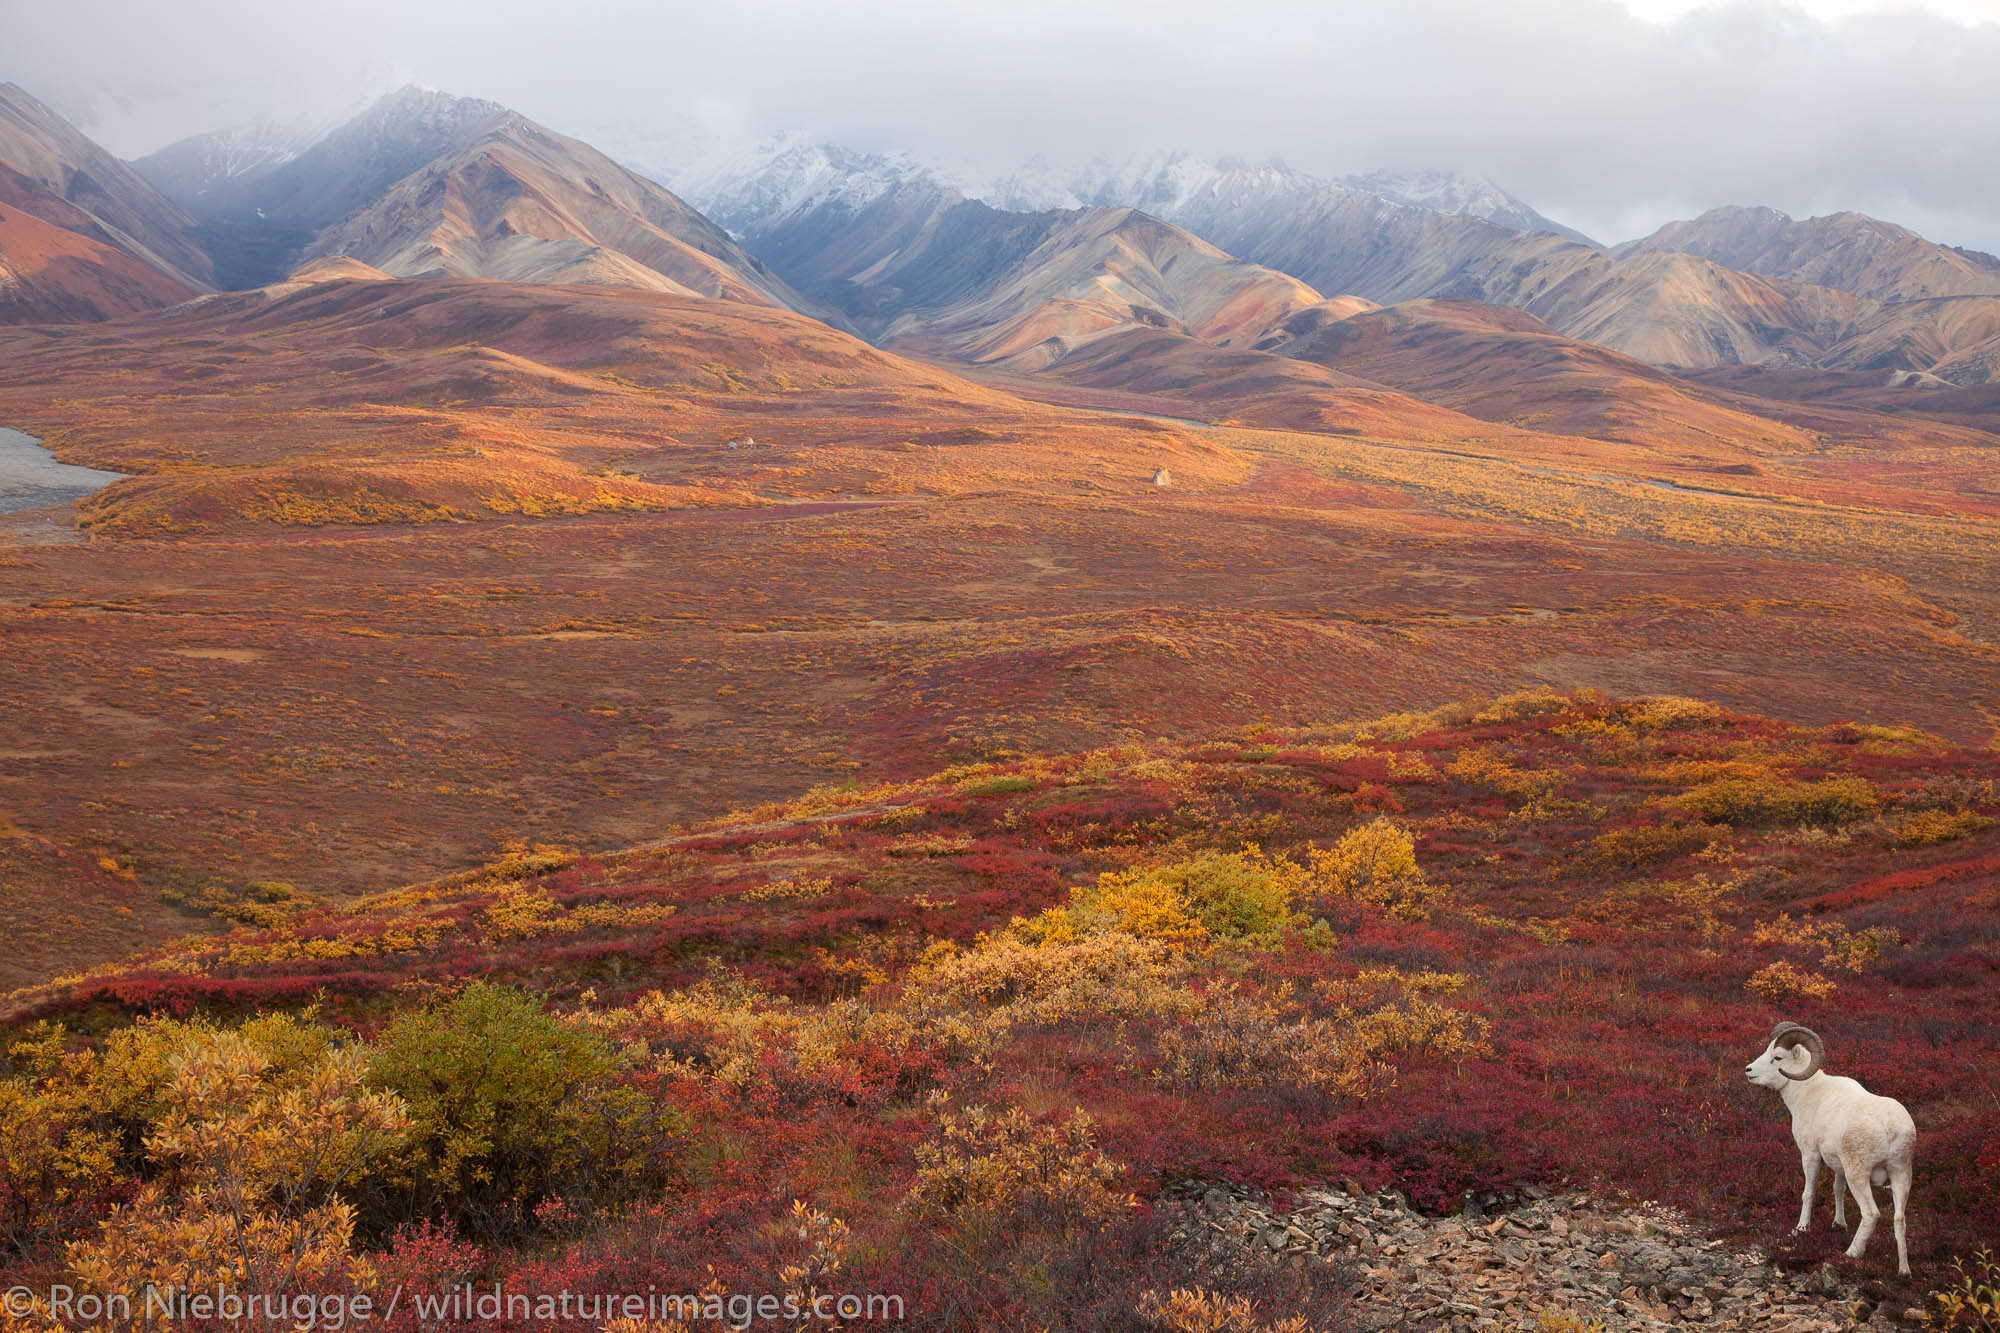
{"x":1839,"y":1195}
{"x":1864,"y":1202}
{"x":1899,"y":1190}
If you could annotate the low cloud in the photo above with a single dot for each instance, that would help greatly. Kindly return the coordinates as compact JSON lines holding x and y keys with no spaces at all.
{"x":1602,"y":119}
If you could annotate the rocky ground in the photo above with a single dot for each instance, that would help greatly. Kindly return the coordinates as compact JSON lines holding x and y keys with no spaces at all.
{"x":1536,"y":1260}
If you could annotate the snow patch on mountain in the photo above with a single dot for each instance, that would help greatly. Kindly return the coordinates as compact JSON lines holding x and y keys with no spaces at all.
{"x":1463,"y":195}
{"x":791,"y":176}
{"x":1169,"y":184}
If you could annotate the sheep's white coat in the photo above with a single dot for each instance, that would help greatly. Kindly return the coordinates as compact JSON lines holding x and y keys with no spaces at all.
{"x":1865,"y":1140}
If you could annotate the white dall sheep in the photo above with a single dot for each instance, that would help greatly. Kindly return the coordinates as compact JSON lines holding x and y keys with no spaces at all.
{"x":1863,"y":1139}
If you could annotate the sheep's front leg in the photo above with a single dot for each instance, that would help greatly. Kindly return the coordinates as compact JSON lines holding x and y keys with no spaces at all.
{"x":1809,"y":1163}
{"x":1839,"y":1195}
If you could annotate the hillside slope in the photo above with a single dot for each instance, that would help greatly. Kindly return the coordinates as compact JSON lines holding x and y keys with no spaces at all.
{"x":443,"y":400}
{"x":1418,"y":952}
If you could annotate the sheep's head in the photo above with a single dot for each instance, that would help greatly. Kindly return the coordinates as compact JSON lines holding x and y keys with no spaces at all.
{"x":1794,"y":1053}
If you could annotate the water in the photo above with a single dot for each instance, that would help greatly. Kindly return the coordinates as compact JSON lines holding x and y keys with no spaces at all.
{"x":30,"y":476}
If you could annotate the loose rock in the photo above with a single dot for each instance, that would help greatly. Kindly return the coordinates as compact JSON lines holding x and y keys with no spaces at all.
{"x":1514,"y":1260}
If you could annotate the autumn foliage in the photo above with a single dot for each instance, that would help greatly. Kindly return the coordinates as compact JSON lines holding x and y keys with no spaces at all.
{"x":952,"y":1037}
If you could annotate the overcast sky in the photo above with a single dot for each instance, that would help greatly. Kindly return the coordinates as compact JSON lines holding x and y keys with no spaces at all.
{"x":1610,"y":115}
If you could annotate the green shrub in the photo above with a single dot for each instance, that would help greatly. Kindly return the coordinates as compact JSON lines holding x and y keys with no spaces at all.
{"x":996,"y":786}
{"x":510,"y":1105}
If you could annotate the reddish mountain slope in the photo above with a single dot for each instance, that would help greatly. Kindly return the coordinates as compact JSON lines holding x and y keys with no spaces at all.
{"x":53,"y":274}
{"x":85,"y":189}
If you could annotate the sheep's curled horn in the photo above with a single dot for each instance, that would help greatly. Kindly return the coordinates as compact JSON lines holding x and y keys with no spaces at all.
{"x":1788,"y":1035}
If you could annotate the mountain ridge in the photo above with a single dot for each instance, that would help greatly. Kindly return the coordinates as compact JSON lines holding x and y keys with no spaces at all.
{"x":517,"y":201}
{"x":1848,"y":251}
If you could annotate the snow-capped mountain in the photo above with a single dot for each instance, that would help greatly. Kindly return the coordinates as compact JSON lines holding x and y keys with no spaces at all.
{"x":1160,"y":184}
{"x":790,"y":176}
{"x":1461,"y":195}
{"x":908,"y":241}
{"x":1166,"y":184}
{"x":188,"y":169}
{"x":326,"y":177}
{"x":866,"y":236}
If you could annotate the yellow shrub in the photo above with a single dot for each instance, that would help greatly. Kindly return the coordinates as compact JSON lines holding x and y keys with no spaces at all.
{"x":1376,"y":863}
{"x":1780,"y":801}
{"x":56,"y":1153}
{"x":1782,"y":981}
{"x":720,"y":1030}
{"x":1376,"y":854}
{"x":1661,"y":712}
{"x":1012,"y":981}
{"x":1973,"y":1301}
{"x":530,"y":913}
{"x":1833,"y":941}
{"x":71,"y":1121}
{"x":264,"y":902}
{"x":524,"y":860}
{"x":250,"y":1159}
{"x":987,"y":1168}
{"x":1195,"y":1310}
{"x":1484,"y":768}
{"x":400,"y":939}
{"x":1423,"y":1027}
{"x":797,"y":887}
{"x":715,"y":1028}
{"x":1925,"y":828}
{"x":1410,"y":766}
{"x":522,"y":915}
{"x":1383,"y":985}
{"x":1137,"y":902}
{"x":1703,"y":900}
{"x":930,"y":844}
{"x":1211,"y":897}
{"x":822,"y":1240}
{"x":1233,"y":1041}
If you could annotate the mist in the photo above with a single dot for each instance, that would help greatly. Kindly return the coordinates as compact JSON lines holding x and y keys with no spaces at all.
{"x":1606,"y":119}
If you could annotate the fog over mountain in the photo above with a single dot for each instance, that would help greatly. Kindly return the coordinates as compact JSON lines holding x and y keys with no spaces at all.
{"x":1609,"y":116}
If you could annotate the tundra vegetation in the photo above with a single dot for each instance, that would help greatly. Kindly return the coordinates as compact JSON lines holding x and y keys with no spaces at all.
{"x":531,"y":593}
{"x":951,"y":1037}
